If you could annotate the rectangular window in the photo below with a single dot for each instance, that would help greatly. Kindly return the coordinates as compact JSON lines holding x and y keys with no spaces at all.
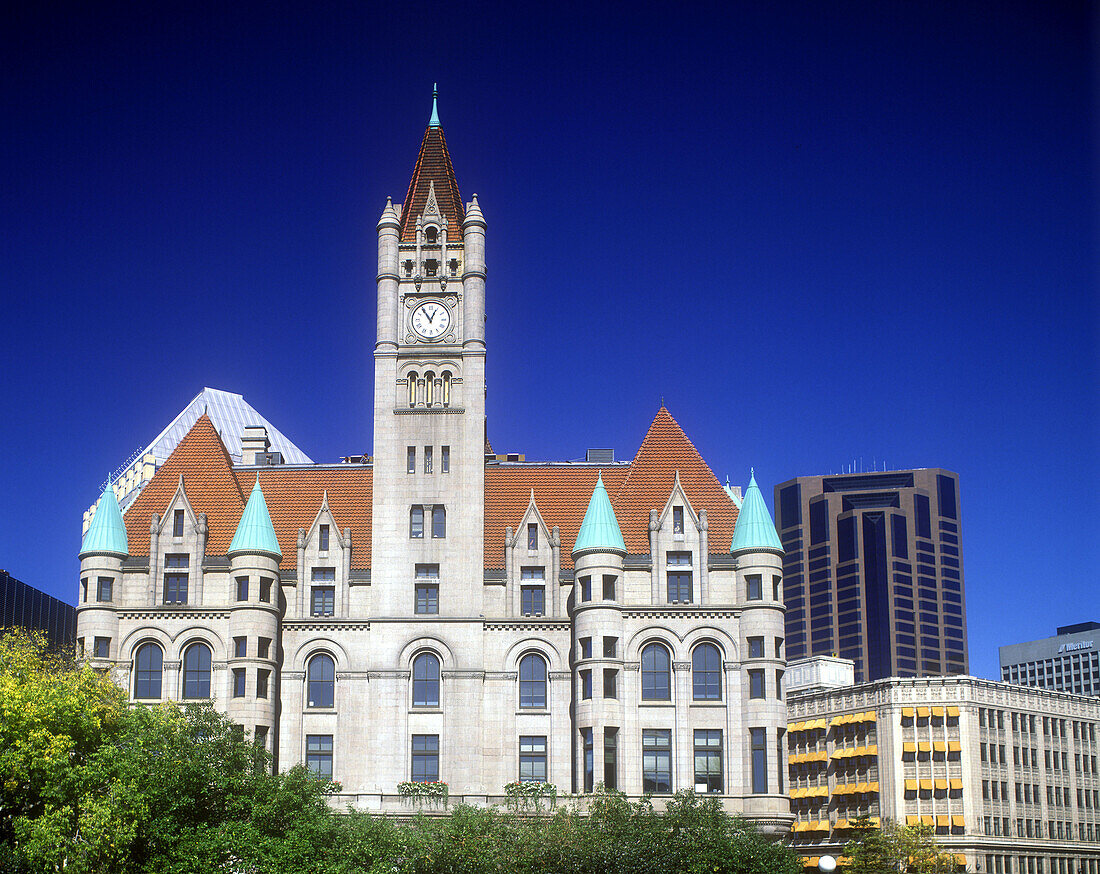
{"x":177,"y":560}
{"x":261,"y":683}
{"x":240,"y":647}
{"x":779,"y":757}
{"x":656,"y":760}
{"x":678,"y":559}
{"x":238,"y":682}
{"x":610,"y":683}
{"x":175,"y":588}
{"x":589,"y":764}
{"x":610,"y":647}
{"x":756,"y":647}
{"x":611,"y":757}
{"x":754,"y":590}
{"x":439,"y":521}
{"x":177,"y":523}
{"x":101,"y":648}
{"x":758,"y":743}
{"x":444,"y":459}
{"x":427,"y":571}
{"x":708,"y":760}
{"x":777,"y":588}
{"x":103,"y":589}
{"x":679,"y":587}
{"x":586,"y":647}
{"x":819,"y":521}
{"x":756,"y":684}
{"x":425,"y":758}
{"x":322,"y":538}
{"x":410,"y":459}
{"x":427,"y":598}
{"x":416,"y":522}
{"x":586,"y":685}
{"x":609,"y":587}
{"x":242,"y":588}
{"x":532,"y":573}
{"x":322,"y":601}
{"x":319,"y":755}
{"x":532,"y":535}
{"x":83,"y":590}
{"x":586,"y":589}
{"x":265,"y":590}
{"x":677,"y":520}
{"x":532,"y":600}
{"x":80,"y":647}
{"x":427,"y":459}
{"x":779,"y":647}
{"x":779,"y":684}
{"x":263,"y":648}
{"x":532,"y":759}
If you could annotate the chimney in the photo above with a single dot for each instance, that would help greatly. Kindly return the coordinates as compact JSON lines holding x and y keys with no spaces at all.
{"x":253,"y":442}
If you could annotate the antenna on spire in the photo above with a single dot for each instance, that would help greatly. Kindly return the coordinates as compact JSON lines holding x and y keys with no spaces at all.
{"x":434,"y":120}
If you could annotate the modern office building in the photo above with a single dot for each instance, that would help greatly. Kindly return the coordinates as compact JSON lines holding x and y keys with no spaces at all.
{"x":873,"y":571}
{"x":1006,"y":775}
{"x":435,"y":612}
{"x":1067,"y":662}
{"x":23,"y":606}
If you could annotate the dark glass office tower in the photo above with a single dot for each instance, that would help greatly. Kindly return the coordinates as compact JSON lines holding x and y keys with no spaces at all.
{"x":22,"y":606}
{"x":873,"y":571}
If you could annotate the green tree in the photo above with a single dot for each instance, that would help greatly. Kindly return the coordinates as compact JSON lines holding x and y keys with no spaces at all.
{"x":894,"y":847}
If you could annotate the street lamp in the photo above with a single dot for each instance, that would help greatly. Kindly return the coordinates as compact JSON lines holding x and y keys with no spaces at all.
{"x":826,"y":865}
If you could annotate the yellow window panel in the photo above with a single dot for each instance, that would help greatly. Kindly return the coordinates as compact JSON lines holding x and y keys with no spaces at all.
{"x":910,"y":819}
{"x":908,"y":747}
{"x":870,"y":716}
{"x":908,"y":711}
{"x":941,"y":784}
{"x":939,"y":746}
{"x":954,"y":746}
{"x":819,"y":723}
{"x":955,"y":783}
{"x":926,"y":819}
{"x":952,"y":711}
{"x":808,"y":862}
{"x":925,"y":784}
{"x":872,"y":787}
{"x":958,"y":821}
{"x":814,"y":860}
{"x":911,"y":785}
{"x":960,"y":859}
{"x":875,"y":821}
{"x":943,"y":820}
{"x":924,"y":712}
{"x":841,"y":823}
{"x":937,"y":711}
{"x":872,"y":750}
{"x":925,"y":746}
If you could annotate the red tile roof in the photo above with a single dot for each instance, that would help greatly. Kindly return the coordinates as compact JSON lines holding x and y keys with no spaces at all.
{"x":433,"y":164}
{"x":294,"y":495}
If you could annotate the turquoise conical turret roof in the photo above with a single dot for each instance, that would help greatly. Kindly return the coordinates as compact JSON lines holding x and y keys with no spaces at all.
{"x":255,"y":532}
{"x":754,"y":528}
{"x":107,"y":533}
{"x":600,"y":529}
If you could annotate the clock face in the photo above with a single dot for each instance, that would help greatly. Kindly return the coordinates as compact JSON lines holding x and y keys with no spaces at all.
{"x":431,"y":320}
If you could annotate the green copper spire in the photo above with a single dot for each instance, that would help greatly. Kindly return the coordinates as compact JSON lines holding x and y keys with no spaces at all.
{"x":754,"y":529}
{"x":255,"y":532}
{"x":107,"y":533}
{"x":599,"y":530}
{"x":434,"y":120}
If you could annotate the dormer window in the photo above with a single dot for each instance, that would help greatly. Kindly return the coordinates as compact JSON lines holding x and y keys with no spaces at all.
{"x":322,"y":538}
{"x":430,"y":235}
{"x":677,"y":520}
{"x":431,"y":267}
{"x":177,"y":523}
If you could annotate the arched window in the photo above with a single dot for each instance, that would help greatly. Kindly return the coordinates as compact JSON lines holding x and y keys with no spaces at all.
{"x":196,"y":671}
{"x":412,"y":388}
{"x":446,"y":388}
{"x":148,"y":670}
{"x":656,"y":673}
{"x":706,"y":673}
{"x":532,"y":681}
{"x":426,"y":680}
{"x":431,"y":234}
{"x":321,"y":681}
{"x":429,"y":388}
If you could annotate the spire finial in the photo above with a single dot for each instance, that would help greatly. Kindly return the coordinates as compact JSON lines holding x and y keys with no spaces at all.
{"x":434,"y":120}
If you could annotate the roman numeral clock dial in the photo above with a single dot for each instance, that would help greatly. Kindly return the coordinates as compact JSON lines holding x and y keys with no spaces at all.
{"x":431,"y":320}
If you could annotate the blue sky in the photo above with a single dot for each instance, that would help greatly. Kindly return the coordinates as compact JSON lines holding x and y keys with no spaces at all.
{"x":824,"y":234}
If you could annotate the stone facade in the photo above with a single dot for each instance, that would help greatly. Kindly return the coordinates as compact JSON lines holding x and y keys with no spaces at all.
{"x":426,"y":613}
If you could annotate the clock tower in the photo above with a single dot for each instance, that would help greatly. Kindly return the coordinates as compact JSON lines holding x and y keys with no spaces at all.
{"x":429,"y":397}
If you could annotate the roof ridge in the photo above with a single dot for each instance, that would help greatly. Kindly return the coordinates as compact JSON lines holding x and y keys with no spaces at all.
{"x":447,"y":193}
{"x":651,"y":438}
